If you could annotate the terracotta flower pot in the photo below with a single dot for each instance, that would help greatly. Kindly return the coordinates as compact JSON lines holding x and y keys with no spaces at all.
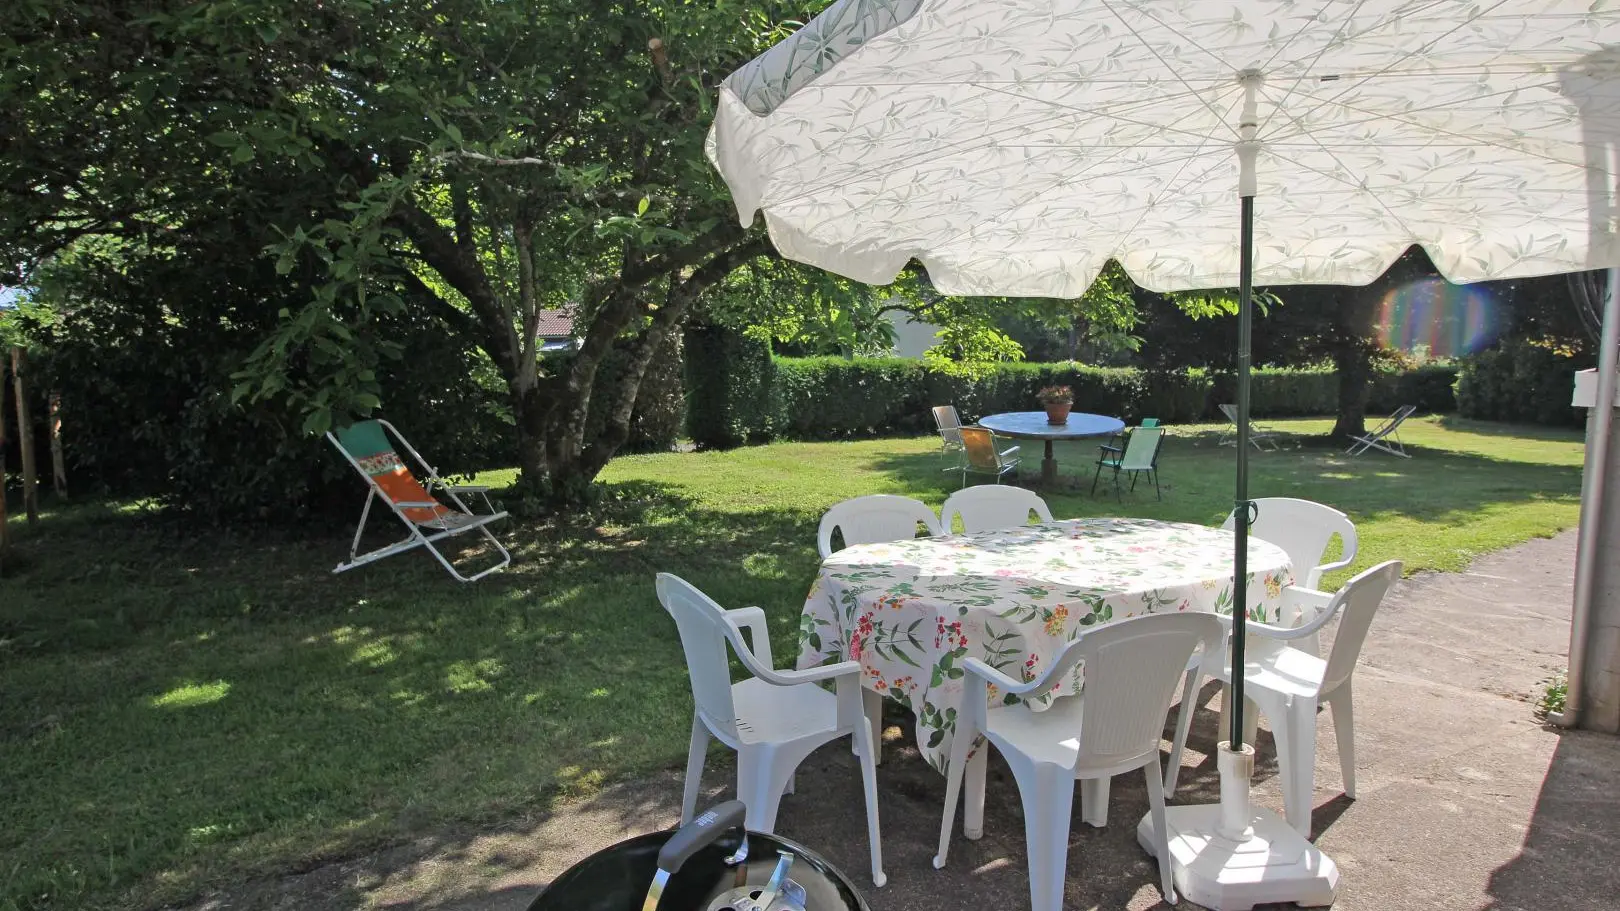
{"x":1058,"y":412}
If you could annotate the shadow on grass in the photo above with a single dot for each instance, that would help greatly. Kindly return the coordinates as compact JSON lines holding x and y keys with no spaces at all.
{"x":1435,"y":486}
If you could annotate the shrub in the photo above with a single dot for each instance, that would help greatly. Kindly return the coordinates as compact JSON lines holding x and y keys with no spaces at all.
{"x":729,"y":387}
{"x":1521,"y":383}
{"x":833,"y":397}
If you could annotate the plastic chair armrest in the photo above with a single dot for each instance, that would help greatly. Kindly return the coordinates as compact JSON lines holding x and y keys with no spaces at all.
{"x":759,"y":633}
{"x":813,"y":674}
{"x":1308,"y":597}
{"x":1003,"y":682}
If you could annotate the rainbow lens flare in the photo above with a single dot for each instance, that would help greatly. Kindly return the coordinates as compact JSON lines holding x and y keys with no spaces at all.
{"x":1450,"y":320}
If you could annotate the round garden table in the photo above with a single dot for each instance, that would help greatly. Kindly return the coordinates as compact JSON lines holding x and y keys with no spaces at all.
{"x":911,"y":612}
{"x":1032,"y":425}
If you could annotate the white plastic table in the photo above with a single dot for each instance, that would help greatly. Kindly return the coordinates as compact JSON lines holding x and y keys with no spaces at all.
{"x":911,"y":612}
{"x":1032,"y":425}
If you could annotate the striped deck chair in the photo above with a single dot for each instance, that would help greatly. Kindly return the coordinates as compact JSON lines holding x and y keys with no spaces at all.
{"x":366,"y":445}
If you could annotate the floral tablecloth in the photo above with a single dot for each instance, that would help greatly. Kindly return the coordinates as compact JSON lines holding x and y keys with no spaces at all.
{"x":911,"y":612}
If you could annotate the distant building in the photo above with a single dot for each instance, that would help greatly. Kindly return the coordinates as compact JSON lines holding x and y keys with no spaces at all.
{"x":911,"y":337}
{"x":556,"y":330}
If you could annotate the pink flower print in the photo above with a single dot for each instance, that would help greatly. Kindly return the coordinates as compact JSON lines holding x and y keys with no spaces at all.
{"x":1029,"y":667}
{"x":1184,"y":604}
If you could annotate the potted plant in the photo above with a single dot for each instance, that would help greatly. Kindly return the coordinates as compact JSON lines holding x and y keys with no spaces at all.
{"x":1057,"y":400}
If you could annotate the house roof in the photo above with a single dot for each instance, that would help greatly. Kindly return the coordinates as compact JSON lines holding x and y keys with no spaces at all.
{"x":557,"y":323}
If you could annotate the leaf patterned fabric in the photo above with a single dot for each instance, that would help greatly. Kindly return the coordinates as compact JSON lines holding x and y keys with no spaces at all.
{"x":1015,"y":146}
{"x":911,"y":612}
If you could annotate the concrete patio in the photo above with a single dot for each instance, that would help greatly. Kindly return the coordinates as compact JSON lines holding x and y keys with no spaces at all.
{"x":1466,"y":802}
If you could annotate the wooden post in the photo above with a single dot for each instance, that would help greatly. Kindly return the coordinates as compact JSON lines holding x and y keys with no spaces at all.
{"x":25,"y":439}
{"x":58,"y":461}
{"x":5,"y":530}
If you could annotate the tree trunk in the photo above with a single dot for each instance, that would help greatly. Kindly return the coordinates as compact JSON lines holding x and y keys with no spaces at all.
{"x":58,"y":459}
{"x":530,"y":408}
{"x":1353,"y":363}
{"x":25,"y":439}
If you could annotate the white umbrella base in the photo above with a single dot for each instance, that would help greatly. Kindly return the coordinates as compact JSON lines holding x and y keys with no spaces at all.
{"x":1274,"y":864}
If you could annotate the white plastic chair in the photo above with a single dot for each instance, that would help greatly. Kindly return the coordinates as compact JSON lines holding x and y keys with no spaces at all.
{"x":1303,"y":529}
{"x":990,"y":507}
{"x":1113,"y":726}
{"x":873,"y":520}
{"x":1287,"y":684}
{"x":773,"y":720}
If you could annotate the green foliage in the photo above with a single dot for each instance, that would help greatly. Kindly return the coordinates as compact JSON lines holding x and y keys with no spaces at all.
{"x":830,"y":398}
{"x":730,"y":387}
{"x":1522,"y":383}
{"x":1554,"y":697}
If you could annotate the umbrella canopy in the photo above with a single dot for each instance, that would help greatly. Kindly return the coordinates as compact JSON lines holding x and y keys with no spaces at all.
{"x":1014,"y":146}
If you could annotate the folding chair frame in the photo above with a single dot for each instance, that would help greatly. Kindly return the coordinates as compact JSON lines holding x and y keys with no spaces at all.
{"x":1389,"y":431}
{"x":416,"y":537}
{"x":1004,"y":464}
{"x":1257,"y":434}
{"x":1118,"y":455}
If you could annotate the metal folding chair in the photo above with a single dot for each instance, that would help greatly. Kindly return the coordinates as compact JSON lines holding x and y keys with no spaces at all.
{"x":427,"y":521}
{"x":1386,"y":437}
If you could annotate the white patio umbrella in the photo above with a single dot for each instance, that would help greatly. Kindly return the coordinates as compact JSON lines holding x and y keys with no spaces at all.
{"x":1013,"y":147}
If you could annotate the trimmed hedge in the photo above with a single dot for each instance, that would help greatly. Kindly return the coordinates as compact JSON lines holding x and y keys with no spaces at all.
{"x":730,"y":391}
{"x":1520,"y":383}
{"x":833,"y":397}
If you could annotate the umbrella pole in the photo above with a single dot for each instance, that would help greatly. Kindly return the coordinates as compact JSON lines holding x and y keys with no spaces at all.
{"x":1244,"y":508}
{"x":1231,"y":855}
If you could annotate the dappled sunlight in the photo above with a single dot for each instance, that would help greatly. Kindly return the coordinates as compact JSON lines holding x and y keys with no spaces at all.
{"x":191,"y":695}
{"x":474,"y":676}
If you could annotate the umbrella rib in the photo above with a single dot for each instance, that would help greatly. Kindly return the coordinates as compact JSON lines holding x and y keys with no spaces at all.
{"x":1148,"y":46}
{"x":1087,"y":112}
{"x":1170,"y":184}
{"x":1306,"y":72}
{"x":968,"y":145}
{"x":1464,"y":139}
{"x":1358,"y":185}
{"x":1363,"y":80}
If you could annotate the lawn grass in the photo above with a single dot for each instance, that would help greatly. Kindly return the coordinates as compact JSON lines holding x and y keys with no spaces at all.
{"x":182,"y":710}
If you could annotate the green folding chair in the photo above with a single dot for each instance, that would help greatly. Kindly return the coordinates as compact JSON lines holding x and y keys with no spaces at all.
{"x":1140,"y":456}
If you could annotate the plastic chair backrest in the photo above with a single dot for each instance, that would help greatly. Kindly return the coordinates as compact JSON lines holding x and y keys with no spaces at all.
{"x":1303,"y":529}
{"x":1132,"y":668}
{"x":1359,"y":600}
{"x":701,"y":624}
{"x":948,"y":422}
{"x":873,"y":520}
{"x":1150,"y":422}
{"x":1142,"y":449}
{"x":368,"y":447}
{"x":980,"y":446}
{"x":989,"y":507}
